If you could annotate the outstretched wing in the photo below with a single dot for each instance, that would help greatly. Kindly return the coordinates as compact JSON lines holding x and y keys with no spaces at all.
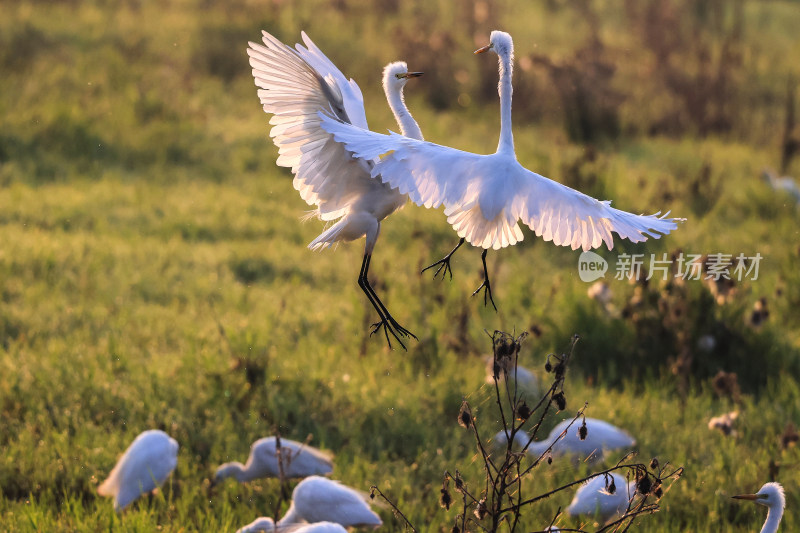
{"x":485,"y":195}
{"x":568,"y":217}
{"x":294,"y":86}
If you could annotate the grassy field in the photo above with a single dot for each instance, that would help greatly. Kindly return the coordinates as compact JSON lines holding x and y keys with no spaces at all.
{"x":154,"y":272}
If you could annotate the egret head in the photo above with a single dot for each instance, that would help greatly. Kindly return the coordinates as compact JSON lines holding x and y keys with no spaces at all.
{"x":770,"y":495}
{"x":500,"y":43}
{"x":395,"y":75}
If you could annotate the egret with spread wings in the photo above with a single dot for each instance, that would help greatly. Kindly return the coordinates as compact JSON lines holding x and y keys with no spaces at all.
{"x":484,"y":196}
{"x":299,"y":85}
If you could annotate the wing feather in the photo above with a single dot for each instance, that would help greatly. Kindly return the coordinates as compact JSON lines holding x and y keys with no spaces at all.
{"x":294,"y":86}
{"x":485,"y":195}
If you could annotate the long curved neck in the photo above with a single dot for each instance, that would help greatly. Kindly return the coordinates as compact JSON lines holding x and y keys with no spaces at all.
{"x":236,"y":470}
{"x":774,"y":516}
{"x":408,"y":126}
{"x":505,"y":88}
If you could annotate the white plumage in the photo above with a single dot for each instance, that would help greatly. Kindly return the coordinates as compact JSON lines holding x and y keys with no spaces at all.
{"x":595,"y":498}
{"x":144,"y":466}
{"x":600,"y":437}
{"x":298,"y":460}
{"x":298,"y":87}
{"x":772,"y":497}
{"x":318,"y":499}
{"x":485,"y":196}
{"x":267,"y":524}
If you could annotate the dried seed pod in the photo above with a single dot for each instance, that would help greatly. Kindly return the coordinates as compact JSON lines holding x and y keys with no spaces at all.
{"x":611,"y":487}
{"x":560,"y":400}
{"x":480,"y":509}
{"x":583,"y":430}
{"x":654,"y":463}
{"x":445,"y":499}
{"x":644,"y":485}
{"x":523,"y":411}
{"x":465,"y":415}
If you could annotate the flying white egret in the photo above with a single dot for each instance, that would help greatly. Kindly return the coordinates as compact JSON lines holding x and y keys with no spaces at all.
{"x":298,"y":460}
{"x":772,"y":497}
{"x":319,"y":499}
{"x":267,"y":524}
{"x":295,"y":86}
{"x":597,"y":498}
{"x":144,"y":466}
{"x":484,"y":196}
{"x":600,"y":437}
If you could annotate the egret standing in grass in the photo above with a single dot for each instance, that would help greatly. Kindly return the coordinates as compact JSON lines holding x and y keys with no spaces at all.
{"x":603,"y":497}
{"x":295,"y":86}
{"x":296,"y":460}
{"x":772,"y":497}
{"x":267,"y":524}
{"x":484,"y":196}
{"x":144,"y":466}
{"x":319,"y":499}
{"x":566,"y":440}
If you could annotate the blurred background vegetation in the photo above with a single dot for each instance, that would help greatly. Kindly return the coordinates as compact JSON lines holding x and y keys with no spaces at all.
{"x":153,"y":270}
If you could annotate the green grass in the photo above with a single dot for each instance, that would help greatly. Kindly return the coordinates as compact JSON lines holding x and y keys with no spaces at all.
{"x":154,"y":272}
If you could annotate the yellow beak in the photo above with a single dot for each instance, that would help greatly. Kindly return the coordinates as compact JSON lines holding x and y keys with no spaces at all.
{"x":482,"y":49}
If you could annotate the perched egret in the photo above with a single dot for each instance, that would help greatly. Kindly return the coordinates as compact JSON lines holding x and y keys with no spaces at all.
{"x":298,"y":460}
{"x":319,"y":499}
{"x":295,"y":86}
{"x":485,"y":196}
{"x":603,"y":498}
{"x":770,"y":495}
{"x":267,"y":524}
{"x":600,"y":437}
{"x":144,"y":466}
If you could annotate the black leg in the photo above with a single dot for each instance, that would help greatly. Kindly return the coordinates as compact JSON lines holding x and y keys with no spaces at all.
{"x":387,"y":322}
{"x":444,"y":263}
{"x":486,"y":286}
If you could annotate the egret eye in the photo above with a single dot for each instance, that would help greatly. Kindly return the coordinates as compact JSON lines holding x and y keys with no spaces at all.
{"x":398,"y":76}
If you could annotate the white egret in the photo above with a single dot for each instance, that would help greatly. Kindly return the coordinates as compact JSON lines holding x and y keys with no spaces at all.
{"x":782,"y":184}
{"x":297,"y":459}
{"x":598,"y":498}
{"x":724,"y":423}
{"x":771,"y":496}
{"x":144,"y":466}
{"x":600,"y":437}
{"x":525,"y":379}
{"x":267,"y":524}
{"x":485,"y":196}
{"x":319,"y":499}
{"x":295,"y":86}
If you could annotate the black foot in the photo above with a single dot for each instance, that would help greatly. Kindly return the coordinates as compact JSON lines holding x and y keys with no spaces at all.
{"x":444,"y":267}
{"x":444,"y":263}
{"x":486,"y":286}
{"x":487,"y":293}
{"x":390,"y":325}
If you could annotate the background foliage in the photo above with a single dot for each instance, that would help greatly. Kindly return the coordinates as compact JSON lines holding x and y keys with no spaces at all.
{"x":153,"y":271}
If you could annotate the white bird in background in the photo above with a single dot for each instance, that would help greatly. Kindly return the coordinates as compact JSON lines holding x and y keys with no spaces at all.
{"x":595,"y":497}
{"x":319,"y":499}
{"x":144,"y":466}
{"x":296,"y":86}
{"x":526,"y":380}
{"x":724,"y":423}
{"x":298,"y":460}
{"x":267,"y":524}
{"x":770,"y":495}
{"x":600,"y":437}
{"x":485,"y":196}
{"x":782,"y":184}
